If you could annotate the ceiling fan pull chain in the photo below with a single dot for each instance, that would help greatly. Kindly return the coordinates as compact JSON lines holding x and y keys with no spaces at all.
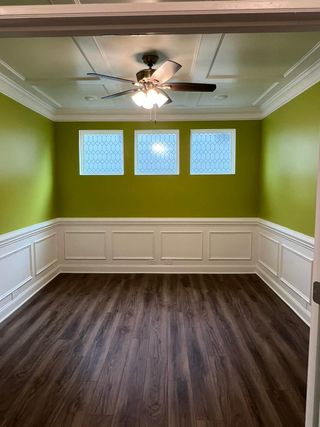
{"x":155,"y":113}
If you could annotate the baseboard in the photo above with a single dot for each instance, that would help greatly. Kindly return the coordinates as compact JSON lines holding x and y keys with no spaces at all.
{"x":28,"y":261}
{"x":158,"y":269}
{"x":22,"y":298}
{"x":300,"y":311}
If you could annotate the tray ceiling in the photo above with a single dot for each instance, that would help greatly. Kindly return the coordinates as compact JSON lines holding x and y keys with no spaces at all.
{"x":250,"y":70}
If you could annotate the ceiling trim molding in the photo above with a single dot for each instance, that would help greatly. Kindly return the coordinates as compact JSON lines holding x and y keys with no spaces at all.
{"x":9,"y":88}
{"x":294,"y":88}
{"x":145,"y":18}
{"x":161,"y":117}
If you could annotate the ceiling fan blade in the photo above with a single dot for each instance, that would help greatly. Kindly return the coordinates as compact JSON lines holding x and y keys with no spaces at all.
{"x":115,"y":95}
{"x":105,"y":76}
{"x":190,"y":87}
{"x":166,"y":71}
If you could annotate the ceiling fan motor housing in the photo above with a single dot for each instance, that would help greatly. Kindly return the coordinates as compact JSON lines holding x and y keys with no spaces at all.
{"x":145,"y":74}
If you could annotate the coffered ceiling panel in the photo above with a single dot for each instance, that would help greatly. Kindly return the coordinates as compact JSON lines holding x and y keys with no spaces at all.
{"x":44,"y":58}
{"x":238,"y":95}
{"x":248,"y":69}
{"x":123,"y":55}
{"x":262,"y":56}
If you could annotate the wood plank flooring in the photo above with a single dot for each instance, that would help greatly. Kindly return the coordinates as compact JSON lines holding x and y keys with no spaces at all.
{"x":153,"y":350}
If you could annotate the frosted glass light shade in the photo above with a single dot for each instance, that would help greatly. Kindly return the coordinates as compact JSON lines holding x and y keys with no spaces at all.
{"x":149,"y":99}
{"x":139,"y":98}
{"x":161,"y":99}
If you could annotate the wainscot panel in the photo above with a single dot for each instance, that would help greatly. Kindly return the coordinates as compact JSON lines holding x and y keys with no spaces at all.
{"x":28,"y":261}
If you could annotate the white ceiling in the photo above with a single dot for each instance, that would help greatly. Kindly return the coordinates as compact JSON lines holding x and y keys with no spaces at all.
{"x":250,"y":69}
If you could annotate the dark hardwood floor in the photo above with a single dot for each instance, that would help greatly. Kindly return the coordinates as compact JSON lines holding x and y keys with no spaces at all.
{"x":153,"y":350}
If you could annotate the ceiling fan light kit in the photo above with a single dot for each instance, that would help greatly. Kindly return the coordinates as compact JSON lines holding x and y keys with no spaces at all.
{"x":147,"y":99}
{"x":151,"y":84}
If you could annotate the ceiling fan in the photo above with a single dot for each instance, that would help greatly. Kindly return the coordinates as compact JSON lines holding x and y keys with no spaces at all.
{"x":152,"y":84}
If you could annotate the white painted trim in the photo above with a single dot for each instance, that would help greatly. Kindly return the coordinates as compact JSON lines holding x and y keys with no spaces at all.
{"x":283,"y":280}
{"x":295,"y":236}
{"x":143,"y":18}
{"x":29,"y":231}
{"x":182,"y":258}
{"x":50,"y":264}
{"x":27,"y":279}
{"x":127,"y":258}
{"x":301,"y":60}
{"x":231,"y":232}
{"x":283,"y":294}
{"x":11,"y":89}
{"x":313,"y":379}
{"x":265,"y":236}
{"x":161,"y":269}
{"x":22,"y":298}
{"x":84,"y":257}
{"x":295,"y":87}
{"x":157,"y":221}
{"x":29,"y":236}
{"x":162,"y":116}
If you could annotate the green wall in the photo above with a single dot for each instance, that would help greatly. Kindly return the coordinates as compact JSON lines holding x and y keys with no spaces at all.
{"x":289,"y":159}
{"x":158,"y":196}
{"x":276,"y":169}
{"x":26,"y":166}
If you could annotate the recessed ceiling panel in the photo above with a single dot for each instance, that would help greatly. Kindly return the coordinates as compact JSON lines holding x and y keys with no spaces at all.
{"x":44,"y":58}
{"x":260,"y":56}
{"x":234,"y":94}
{"x":123,"y":54}
{"x":73,"y":95}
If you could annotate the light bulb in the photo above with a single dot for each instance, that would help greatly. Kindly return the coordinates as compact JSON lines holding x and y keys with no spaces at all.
{"x":139,"y":98}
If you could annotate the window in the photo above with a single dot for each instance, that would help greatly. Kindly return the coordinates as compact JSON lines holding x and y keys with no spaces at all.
{"x":212,"y":152}
{"x":157,"y":152}
{"x":101,"y":152}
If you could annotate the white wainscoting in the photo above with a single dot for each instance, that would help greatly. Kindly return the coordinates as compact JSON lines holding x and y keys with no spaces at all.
{"x":285,"y":260}
{"x":84,"y":245}
{"x":158,"y":245}
{"x":28,"y":261}
{"x":182,"y":245}
{"x":132,"y":245}
{"x":230,"y":245}
{"x":31,"y":257}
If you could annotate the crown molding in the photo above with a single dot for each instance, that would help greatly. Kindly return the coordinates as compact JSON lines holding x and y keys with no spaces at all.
{"x":295,"y":87}
{"x":11,"y":89}
{"x":90,"y":116}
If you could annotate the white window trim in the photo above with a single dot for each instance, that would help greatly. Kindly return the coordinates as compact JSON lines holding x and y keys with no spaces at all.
{"x":164,"y":131}
{"x":99,"y":132}
{"x":233,"y":142}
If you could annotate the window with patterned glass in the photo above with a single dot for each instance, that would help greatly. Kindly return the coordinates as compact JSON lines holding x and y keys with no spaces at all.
{"x":156,"y":152}
{"x":101,"y":152}
{"x":212,"y":152}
